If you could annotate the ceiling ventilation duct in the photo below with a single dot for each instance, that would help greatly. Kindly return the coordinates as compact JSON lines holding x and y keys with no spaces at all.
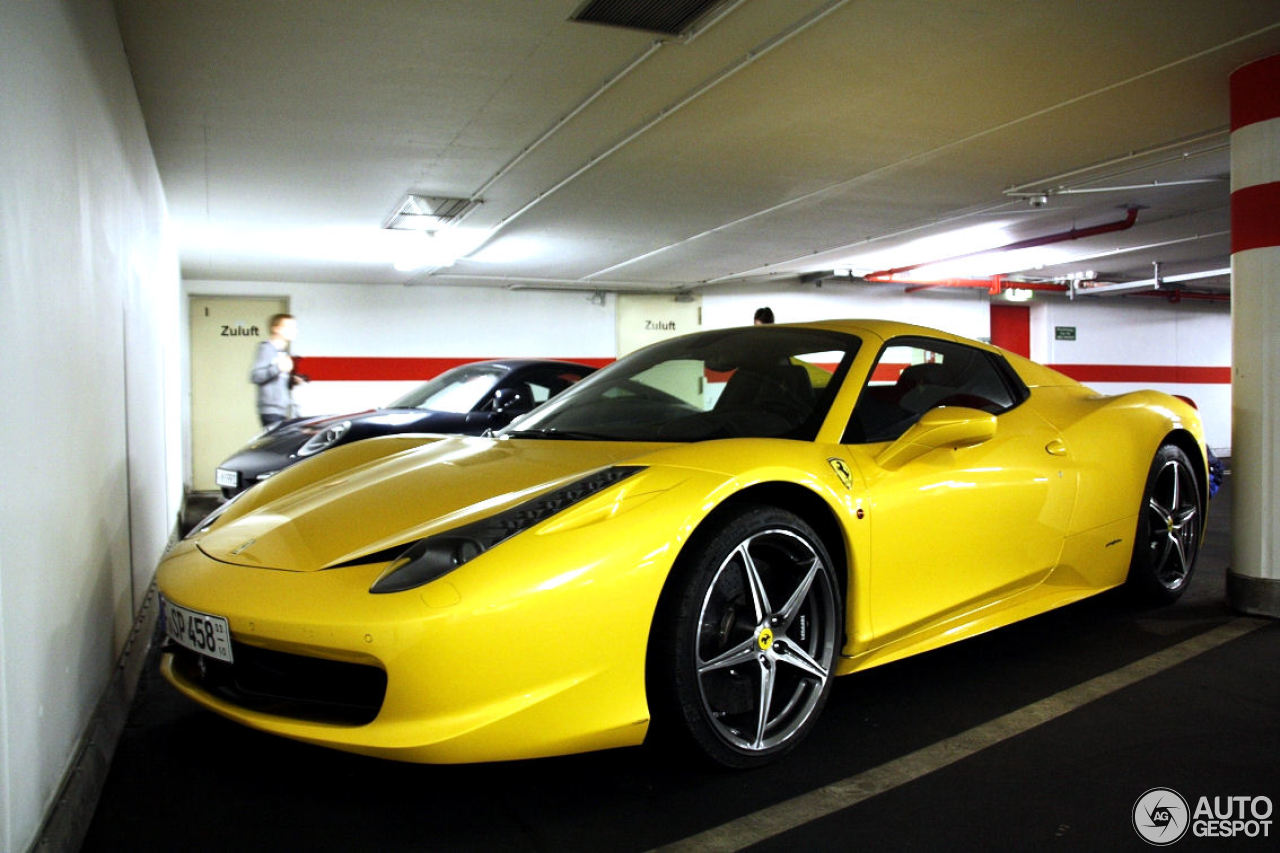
{"x":427,"y":213}
{"x":669,"y":17}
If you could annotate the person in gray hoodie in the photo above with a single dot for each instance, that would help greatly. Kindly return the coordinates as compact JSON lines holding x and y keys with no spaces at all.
{"x":273,"y":369}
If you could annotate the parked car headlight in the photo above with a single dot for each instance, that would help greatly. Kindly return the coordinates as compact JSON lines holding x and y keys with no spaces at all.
{"x":324,"y":439}
{"x":431,"y":558}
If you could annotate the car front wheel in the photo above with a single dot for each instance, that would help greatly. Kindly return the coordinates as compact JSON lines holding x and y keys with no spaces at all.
{"x":747,"y":637}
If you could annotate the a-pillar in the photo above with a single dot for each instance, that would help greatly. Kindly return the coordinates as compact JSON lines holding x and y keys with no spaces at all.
{"x":1253,"y":582}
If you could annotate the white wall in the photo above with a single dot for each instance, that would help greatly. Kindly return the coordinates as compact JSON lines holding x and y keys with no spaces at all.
{"x":962,"y":312}
{"x":89,"y":436}
{"x":391,"y":321}
{"x":493,"y":322}
{"x":364,"y":320}
{"x":1139,"y":332}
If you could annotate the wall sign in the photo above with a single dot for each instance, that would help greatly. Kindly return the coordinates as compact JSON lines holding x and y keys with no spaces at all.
{"x":1064,"y":333}
{"x":645,"y":318}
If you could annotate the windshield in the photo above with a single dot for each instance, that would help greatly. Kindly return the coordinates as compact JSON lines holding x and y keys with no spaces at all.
{"x":754,"y":382}
{"x":457,"y":390}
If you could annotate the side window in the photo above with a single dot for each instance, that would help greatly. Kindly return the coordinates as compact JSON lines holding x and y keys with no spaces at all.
{"x":914,"y":375}
{"x":545,"y":383}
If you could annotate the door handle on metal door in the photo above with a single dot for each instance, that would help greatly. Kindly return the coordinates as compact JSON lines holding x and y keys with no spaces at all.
{"x":1057,"y":447}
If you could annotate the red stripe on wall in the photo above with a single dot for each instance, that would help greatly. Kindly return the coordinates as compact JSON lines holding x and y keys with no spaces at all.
{"x":320,"y":368}
{"x":1146,"y":373}
{"x":888,"y":372}
{"x":375,"y":369}
{"x":1255,"y":92}
{"x":1255,"y":217}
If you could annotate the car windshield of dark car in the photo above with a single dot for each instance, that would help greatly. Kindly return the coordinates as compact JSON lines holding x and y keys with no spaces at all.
{"x":458,"y":390}
{"x":754,"y":382}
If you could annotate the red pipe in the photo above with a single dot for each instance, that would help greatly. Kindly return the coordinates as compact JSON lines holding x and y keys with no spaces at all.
{"x":1031,"y":285}
{"x":993,"y":285}
{"x":1061,"y":237}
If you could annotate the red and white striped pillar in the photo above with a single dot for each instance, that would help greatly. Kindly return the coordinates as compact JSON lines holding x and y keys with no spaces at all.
{"x":1253,"y":582}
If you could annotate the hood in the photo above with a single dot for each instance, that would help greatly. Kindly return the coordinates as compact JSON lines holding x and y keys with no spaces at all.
{"x":404,"y":497}
{"x":298,"y":430}
{"x":291,"y":435}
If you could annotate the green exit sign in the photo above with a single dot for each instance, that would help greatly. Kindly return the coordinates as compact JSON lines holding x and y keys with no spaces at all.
{"x":1064,"y":333}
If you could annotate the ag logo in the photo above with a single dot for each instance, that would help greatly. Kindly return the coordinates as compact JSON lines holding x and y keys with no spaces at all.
{"x":1161,"y":816}
{"x":842,"y":471}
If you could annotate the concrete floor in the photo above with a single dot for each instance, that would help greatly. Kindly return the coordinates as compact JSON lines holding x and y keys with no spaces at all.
{"x":916,"y":755}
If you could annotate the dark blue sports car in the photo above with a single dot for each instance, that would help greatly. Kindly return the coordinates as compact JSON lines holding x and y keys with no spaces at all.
{"x":468,"y":399}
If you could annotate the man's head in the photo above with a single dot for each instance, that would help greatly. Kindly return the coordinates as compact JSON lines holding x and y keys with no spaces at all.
{"x":283,"y":326}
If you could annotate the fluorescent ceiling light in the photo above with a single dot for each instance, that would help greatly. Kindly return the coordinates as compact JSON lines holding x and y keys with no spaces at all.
{"x":962,"y":241}
{"x":432,"y":250}
{"x":992,"y":263}
{"x":506,"y":250}
{"x":1193,"y":276}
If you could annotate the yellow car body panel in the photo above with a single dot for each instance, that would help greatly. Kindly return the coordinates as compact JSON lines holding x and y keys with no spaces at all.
{"x":538,"y":646}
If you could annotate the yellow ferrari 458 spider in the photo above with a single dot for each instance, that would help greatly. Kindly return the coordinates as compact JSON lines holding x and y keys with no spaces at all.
{"x":690,"y":543}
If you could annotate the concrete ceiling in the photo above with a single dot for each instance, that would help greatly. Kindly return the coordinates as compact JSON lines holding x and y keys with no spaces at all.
{"x":777,"y":139}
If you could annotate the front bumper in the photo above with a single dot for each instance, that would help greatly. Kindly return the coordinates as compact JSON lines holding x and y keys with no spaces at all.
{"x":535,"y":648}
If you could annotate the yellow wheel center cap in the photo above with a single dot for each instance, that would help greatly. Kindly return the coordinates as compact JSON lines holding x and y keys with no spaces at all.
{"x":765,"y":639}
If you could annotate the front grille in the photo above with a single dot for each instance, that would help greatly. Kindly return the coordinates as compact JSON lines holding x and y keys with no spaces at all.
{"x":288,"y":685}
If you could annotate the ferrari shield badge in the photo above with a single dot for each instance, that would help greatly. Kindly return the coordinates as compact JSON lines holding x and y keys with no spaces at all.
{"x":842,"y":471}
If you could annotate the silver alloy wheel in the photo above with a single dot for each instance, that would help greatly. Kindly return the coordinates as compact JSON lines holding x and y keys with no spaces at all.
{"x":1173,"y":523}
{"x":766,"y":642}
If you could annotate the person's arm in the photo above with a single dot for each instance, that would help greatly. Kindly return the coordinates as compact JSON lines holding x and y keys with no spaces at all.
{"x":264,"y":364}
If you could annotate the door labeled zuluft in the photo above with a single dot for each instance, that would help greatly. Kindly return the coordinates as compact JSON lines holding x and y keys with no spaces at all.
{"x":225,"y":332}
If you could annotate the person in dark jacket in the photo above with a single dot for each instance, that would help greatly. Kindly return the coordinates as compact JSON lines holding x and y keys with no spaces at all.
{"x":273,"y":369}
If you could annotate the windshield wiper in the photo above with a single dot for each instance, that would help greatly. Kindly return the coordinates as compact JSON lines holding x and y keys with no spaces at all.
{"x":565,"y":435}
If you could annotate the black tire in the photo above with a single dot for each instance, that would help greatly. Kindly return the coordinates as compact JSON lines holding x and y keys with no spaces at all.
{"x":745,"y":642}
{"x":1170,"y":524}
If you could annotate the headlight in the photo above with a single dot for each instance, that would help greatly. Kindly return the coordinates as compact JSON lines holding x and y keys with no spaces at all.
{"x":325,"y":438}
{"x":436,"y":556}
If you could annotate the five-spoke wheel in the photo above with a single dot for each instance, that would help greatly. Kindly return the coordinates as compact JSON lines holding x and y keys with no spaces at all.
{"x":750,"y":636}
{"x":1169,"y":526}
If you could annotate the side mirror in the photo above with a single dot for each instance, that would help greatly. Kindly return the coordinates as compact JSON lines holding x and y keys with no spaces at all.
{"x":945,"y":426}
{"x":511,"y":402}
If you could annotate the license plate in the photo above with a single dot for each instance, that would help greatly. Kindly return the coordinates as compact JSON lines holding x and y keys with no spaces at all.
{"x":226,"y":477}
{"x":202,"y":633}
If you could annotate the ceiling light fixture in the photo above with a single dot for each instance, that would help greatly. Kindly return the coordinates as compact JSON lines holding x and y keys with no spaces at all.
{"x":423,"y":250}
{"x":428,"y":238}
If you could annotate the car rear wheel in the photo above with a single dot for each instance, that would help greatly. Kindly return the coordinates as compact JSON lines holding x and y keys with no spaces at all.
{"x":746,"y":640}
{"x":1170,"y":522}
